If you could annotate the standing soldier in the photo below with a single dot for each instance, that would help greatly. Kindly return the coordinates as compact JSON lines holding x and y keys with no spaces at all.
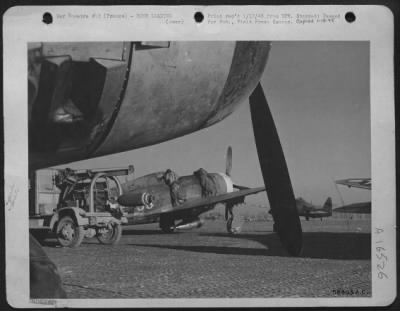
{"x":171,"y":179}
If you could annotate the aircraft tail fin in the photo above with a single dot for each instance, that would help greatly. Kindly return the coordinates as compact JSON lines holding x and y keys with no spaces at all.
{"x":301,"y":201}
{"x":328,"y":205}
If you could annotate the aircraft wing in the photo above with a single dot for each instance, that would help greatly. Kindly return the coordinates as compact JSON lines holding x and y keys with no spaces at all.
{"x":223,"y":198}
{"x":363,"y":183}
{"x":355,"y":208}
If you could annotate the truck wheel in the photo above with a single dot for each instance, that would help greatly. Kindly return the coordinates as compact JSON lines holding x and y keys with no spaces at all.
{"x":69,"y":234}
{"x":111,"y":235}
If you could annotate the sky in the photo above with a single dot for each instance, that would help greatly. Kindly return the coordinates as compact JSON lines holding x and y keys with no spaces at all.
{"x":318,"y":94}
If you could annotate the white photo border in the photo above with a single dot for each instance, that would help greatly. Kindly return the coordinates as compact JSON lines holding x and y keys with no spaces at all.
{"x":24,"y":24}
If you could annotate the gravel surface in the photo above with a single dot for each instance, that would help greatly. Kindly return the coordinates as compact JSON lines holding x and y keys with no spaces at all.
{"x":208,"y":263}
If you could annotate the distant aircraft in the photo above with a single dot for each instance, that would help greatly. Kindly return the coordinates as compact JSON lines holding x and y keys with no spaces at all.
{"x":166,"y":198}
{"x":91,"y":99}
{"x":308,"y":210}
{"x":355,"y":208}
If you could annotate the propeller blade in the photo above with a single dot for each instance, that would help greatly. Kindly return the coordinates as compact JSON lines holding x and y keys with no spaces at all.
{"x":338,"y":191}
{"x":228,"y":163}
{"x":228,"y":169}
{"x":275,"y":174}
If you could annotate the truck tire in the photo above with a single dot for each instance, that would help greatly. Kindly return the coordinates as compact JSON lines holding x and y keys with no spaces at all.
{"x":69,"y":234}
{"x":112,"y":236}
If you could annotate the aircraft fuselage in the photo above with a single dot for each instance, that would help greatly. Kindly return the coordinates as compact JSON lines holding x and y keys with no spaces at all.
{"x":189,"y":189}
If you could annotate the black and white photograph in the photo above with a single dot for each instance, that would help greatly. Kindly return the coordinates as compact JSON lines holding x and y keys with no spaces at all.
{"x":205,"y":169}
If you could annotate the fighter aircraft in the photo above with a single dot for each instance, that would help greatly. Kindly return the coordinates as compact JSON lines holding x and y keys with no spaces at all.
{"x":308,"y":210}
{"x":166,"y":198}
{"x":90,"y":99}
{"x":355,"y":208}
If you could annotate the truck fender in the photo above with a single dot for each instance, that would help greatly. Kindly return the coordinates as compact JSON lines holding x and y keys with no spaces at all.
{"x":74,"y":212}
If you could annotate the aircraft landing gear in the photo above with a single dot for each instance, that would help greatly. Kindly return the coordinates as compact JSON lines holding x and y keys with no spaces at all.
{"x":167,"y":224}
{"x":229,"y":225}
{"x":229,"y":216}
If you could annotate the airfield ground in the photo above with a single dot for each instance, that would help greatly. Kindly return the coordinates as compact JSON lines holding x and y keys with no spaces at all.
{"x":209,"y":263}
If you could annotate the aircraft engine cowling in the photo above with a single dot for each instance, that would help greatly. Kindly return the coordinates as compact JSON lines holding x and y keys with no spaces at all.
{"x":90,"y":99}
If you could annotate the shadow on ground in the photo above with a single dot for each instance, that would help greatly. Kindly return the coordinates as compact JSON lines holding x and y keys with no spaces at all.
{"x":144,"y":232}
{"x":322,"y":245}
{"x":51,"y":240}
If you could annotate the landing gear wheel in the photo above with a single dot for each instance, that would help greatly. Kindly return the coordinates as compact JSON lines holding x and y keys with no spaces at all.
{"x":69,"y":234}
{"x":167,"y":225}
{"x":111,"y":235}
{"x":229,"y":225}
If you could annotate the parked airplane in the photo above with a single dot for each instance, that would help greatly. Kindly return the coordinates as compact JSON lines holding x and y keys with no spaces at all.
{"x":355,"y":208}
{"x":90,"y":99}
{"x":308,"y":210}
{"x":166,"y":198}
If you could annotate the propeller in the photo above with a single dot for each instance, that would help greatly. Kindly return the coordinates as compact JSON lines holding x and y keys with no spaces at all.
{"x":275,"y":174}
{"x":228,"y":163}
{"x":338,"y":191}
{"x":228,"y":168}
{"x":229,"y":205}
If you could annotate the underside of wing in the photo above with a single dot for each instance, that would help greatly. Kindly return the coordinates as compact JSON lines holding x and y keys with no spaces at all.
{"x":362,"y":183}
{"x":223,"y":198}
